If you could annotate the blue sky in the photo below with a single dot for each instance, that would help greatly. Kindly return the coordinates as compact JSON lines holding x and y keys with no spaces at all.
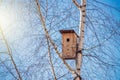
{"x":22,"y":29}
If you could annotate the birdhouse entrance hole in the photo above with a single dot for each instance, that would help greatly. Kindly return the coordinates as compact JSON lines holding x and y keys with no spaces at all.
{"x":68,"y":39}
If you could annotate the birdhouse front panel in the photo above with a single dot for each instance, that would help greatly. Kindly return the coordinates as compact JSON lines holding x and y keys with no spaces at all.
{"x":69,"y":44}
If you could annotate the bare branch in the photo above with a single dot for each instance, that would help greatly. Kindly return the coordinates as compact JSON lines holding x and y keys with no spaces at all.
{"x":10,"y":54}
{"x":51,"y":41}
{"x":49,"y":55}
{"x":76,"y":3}
{"x":8,"y":69}
{"x":107,"y":5}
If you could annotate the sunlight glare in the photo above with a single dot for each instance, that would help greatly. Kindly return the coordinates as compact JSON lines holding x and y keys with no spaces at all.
{"x":6,"y":18}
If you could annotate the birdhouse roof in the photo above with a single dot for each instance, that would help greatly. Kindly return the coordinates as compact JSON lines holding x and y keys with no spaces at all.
{"x":68,"y":31}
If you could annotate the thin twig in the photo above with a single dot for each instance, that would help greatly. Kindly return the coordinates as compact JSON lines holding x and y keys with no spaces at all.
{"x":76,"y":3}
{"x":10,"y":54}
{"x":50,"y":59}
{"x":51,"y":41}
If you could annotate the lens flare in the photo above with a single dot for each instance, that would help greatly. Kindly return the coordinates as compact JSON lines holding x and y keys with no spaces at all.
{"x":6,"y":18}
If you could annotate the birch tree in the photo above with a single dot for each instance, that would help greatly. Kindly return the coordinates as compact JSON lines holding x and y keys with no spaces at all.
{"x":36,"y":53}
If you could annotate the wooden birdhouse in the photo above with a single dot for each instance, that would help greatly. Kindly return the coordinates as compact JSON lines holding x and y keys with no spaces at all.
{"x":69,"y":44}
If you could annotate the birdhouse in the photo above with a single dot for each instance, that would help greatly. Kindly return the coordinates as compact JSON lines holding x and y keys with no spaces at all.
{"x":69,"y":44}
